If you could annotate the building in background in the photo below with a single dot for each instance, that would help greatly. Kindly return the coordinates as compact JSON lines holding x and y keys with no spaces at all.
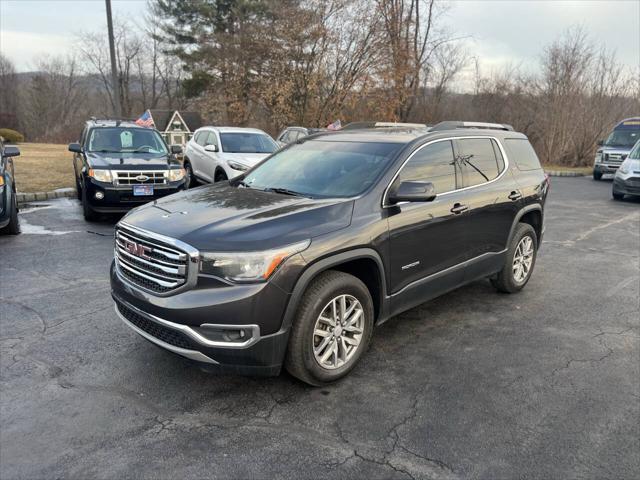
{"x":175,"y":126}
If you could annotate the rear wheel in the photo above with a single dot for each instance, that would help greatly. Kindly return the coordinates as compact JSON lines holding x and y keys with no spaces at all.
{"x":221,"y":176}
{"x":332,"y":329}
{"x":597,"y":175}
{"x":89,"y":213}
{"x":13,"y":227}
{"x":78,"y":189}
{"x":520,"y":260}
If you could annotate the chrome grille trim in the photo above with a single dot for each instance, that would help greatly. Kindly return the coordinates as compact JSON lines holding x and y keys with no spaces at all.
{"x":129,"y":177}
{"x":168,"y":267}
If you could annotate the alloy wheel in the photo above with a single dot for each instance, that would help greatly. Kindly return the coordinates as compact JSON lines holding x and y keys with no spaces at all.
{"x":523,"y":259}
{"x":338,"y":332}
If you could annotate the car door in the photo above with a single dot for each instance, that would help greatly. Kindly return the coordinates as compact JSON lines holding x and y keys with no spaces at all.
{"x":428,"y":240}
{"x":197,"y":156}
{"x":493,"y":198}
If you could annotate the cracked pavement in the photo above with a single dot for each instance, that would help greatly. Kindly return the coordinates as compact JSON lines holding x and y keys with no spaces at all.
{"x":542,"y":384}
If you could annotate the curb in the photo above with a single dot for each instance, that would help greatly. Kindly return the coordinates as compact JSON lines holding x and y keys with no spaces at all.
{"x":559,"y":173}
{"x":23,"y":198}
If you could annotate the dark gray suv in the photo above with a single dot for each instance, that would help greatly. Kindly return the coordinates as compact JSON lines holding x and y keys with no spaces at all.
{"x":294,"y":262}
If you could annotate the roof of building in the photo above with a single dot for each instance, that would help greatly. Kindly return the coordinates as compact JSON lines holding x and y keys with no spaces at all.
{"x":161,"y":119}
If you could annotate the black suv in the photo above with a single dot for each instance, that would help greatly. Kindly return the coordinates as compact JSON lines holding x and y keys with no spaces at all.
{"x":119,"y":165}
{"x":295,"y":261}
{"x":8,"y":204}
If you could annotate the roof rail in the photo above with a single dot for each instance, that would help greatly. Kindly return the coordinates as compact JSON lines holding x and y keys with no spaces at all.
{"x":455,"y":125}
{"x":111,"y":119}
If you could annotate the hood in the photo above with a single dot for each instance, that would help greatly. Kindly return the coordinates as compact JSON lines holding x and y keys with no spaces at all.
{"x":248,"y":159}
{"x":615,"y":150}
{"x":225,"y":218}
{"x":130,"y":161}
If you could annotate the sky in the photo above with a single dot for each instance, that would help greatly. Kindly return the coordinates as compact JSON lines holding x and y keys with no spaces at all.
{"x":498,"y":32}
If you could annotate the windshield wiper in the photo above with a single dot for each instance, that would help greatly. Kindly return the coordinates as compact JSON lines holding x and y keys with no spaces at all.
{"x":105,"y":151}
{"x":285,"y":191}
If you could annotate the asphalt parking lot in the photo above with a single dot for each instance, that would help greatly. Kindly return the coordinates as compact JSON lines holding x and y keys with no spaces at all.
{"x":542,"y":384}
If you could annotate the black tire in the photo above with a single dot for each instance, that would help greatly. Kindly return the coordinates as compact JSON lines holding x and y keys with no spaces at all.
{"x":78,"y":189}
{"x":89,"y":213}
{"x":300,"y":360}
{"x":13,"y":227}
{"x":221,"y":176}
{"x":597,"y":175}
{"x":191,"y":180}
{"x":617,"y":196}
{"x":505,"y":280}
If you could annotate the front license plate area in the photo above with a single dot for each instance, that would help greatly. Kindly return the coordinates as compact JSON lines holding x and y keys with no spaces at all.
{"x":142,"y":190}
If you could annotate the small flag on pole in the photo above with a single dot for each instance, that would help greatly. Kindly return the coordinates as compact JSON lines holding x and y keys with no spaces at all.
{"x":145,"y":120}
{"x":337,"y":125}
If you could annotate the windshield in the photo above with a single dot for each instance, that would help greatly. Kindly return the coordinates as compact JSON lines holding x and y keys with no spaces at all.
{"x":123,"y":139}
{"x":635,"y":153}
{"x":247,"y":143}
{"x":623,"y":138}
{"x":324,"y":169}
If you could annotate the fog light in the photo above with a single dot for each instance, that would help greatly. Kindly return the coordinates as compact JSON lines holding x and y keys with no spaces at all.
{"x":99,"y":195}
{"x":224,"y":334}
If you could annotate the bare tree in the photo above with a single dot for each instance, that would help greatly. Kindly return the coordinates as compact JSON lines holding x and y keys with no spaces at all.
{"x":9,"y":115}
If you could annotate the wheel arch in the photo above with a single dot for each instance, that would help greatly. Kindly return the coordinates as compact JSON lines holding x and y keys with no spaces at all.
{"x":363,"y":263}
{"x":533,"y":215}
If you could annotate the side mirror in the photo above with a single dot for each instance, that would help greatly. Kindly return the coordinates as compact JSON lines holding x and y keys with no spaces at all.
{"x":413,"y":191}
{"x":211,"y":148}
{"x":600,"y":143}
{"x":176,"y":149}
{"x":75,"y":148}
{"x":11,"y":151}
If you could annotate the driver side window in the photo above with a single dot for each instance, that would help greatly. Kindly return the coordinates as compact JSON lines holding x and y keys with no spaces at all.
{"x":434,"y":163}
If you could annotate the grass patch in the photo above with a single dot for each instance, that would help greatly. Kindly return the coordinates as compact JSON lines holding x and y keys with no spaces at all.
{"x":42,"y":167}
{"x":562,"y":168}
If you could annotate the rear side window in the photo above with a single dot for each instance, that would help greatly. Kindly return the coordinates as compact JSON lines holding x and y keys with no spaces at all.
{"x":479,"y":160}
{"x":433,"y":163}
{"x":522,"y":153}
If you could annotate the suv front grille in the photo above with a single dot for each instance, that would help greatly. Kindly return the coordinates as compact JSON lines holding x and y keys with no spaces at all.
{"x":149,"y":263}
{"x":127,"y":177}
{"x":167,"y":335}
{"x":614,"y":158}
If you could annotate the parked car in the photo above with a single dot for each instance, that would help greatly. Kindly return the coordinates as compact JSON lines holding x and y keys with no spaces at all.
{"x":612,"y":151}
{"x":9,"y":222}
{"x":292,"y":134}
{"x":627,"y":178}
{"x":119,"y":165}
{"x":295,"y":261}
{"x":216,"y":154}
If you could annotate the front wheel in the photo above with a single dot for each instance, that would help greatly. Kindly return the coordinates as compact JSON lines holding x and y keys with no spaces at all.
{"x":220,"y":176}
{"x":13,"y":227}
{"x":597,"y":175}
{"x":332,"y":329}
{"x":520,"y":260}
{"x":89,"y":213}
{"x":617,"y":196}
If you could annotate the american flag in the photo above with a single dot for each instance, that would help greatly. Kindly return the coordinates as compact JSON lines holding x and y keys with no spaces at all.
{"x":145,"y":120}
{"x":337,"y":125}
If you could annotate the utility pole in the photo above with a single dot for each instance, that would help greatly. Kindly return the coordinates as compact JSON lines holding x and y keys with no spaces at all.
{"x":114,"y":70}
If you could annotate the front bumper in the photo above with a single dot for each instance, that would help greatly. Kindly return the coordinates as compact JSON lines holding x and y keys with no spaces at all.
{"x":174,"y":324}
{"x":119,"y":199}
{"x":606,"y":167}
{"x":627,"y":186}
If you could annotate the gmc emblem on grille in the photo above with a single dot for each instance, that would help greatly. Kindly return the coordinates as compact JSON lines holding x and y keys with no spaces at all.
{"x":142,"y":178}
{"x":137,"y":249}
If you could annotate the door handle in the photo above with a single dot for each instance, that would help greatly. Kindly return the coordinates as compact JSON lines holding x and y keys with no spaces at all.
{"x":515,"y":195}
{"x":459,"y":208}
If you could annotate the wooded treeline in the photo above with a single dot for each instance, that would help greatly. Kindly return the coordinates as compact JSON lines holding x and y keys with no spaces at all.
{"x":272,"y":63}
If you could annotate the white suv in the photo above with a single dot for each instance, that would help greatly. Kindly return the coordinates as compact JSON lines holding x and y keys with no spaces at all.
{"x":219,"y":153}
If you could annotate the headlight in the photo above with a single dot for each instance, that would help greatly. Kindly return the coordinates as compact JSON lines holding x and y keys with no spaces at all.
{"x":101,"y":175}
{"x":624,"y":168}
{"x":176,"y":174}
{"x":248,"y":266}
{"x":598,"y":157}
{"x":238,"y":166}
